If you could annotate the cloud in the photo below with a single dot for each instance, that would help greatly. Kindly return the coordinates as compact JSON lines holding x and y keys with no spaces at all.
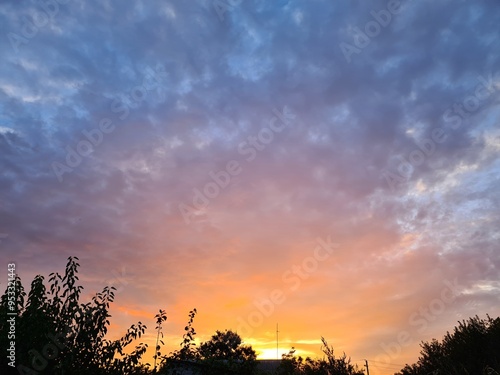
{"x":323,"y":175}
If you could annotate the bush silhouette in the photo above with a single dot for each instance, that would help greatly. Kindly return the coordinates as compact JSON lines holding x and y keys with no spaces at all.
{"x":331,"y":365}
{"x":472,"y":348}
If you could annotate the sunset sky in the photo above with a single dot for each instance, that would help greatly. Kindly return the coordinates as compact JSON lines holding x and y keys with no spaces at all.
{"x":331,"y":166}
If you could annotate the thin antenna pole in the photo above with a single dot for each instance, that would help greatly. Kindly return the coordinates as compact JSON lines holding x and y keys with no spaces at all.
{"x":277,"y":332}
{"x":367,"y":369}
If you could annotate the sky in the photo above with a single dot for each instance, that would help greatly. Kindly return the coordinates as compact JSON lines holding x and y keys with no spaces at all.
{"x":328,"y":166}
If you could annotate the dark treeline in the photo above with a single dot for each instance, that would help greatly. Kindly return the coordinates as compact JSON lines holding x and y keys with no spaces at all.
{"x":56,"y":333}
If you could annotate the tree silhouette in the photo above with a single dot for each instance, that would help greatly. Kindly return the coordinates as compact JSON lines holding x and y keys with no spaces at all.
{"x":160,"y":318}
{"x":187,"y":351}
{"x":224,"y":353}
{"x":57,"y":334}
{"x":472,"y":348}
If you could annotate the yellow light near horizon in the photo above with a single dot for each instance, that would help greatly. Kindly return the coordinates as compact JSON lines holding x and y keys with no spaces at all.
{"x":269,"y":353}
